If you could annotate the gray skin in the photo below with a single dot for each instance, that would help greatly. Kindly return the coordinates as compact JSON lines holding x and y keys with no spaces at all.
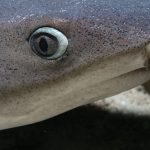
{"x":96,"y":30}
{"x":101,"y":33}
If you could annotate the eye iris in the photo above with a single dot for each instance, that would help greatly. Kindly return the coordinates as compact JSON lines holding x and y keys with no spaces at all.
{"x":48,"y":43}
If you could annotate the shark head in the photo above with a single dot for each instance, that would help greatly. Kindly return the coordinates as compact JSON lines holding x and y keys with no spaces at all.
{"x":106,"y":51}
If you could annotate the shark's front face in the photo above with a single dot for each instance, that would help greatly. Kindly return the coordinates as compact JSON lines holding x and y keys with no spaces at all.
{"x":107,"y":39}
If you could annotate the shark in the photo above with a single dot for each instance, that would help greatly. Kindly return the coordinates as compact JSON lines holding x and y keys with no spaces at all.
{"x":107,"y":53}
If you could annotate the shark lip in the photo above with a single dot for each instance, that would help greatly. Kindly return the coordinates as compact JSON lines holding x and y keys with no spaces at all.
{"x":45,"y":110}
{"x":99,"y":80}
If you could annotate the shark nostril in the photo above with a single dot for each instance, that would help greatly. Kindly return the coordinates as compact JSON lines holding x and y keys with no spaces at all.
{"x":48,"y":43}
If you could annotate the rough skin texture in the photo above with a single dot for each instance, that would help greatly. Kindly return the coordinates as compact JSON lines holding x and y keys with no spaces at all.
{"x":95,"y":29}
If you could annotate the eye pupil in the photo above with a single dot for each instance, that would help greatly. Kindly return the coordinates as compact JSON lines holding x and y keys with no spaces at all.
{"x":46,"y":45}
{"x":43,"y":45}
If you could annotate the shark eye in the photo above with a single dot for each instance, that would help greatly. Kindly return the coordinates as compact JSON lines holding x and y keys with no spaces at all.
{"x":48,"y":43}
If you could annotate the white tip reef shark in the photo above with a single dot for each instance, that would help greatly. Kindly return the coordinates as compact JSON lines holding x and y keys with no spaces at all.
{"x":107,"y":52}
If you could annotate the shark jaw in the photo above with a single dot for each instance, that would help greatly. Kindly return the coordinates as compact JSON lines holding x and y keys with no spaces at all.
{"x":94,"y":82}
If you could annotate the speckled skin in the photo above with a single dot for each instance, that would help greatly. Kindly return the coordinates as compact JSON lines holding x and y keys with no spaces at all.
{"x":33,"y":89}
{"x":95,"y":29}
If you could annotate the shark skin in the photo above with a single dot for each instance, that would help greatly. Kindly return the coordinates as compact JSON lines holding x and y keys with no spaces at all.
{"x":106,"y":55}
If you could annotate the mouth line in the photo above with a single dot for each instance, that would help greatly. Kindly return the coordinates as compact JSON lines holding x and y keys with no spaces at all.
{"x":38,"y":102}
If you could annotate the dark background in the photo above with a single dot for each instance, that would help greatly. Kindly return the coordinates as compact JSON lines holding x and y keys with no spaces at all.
{"x":85,"y":128}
